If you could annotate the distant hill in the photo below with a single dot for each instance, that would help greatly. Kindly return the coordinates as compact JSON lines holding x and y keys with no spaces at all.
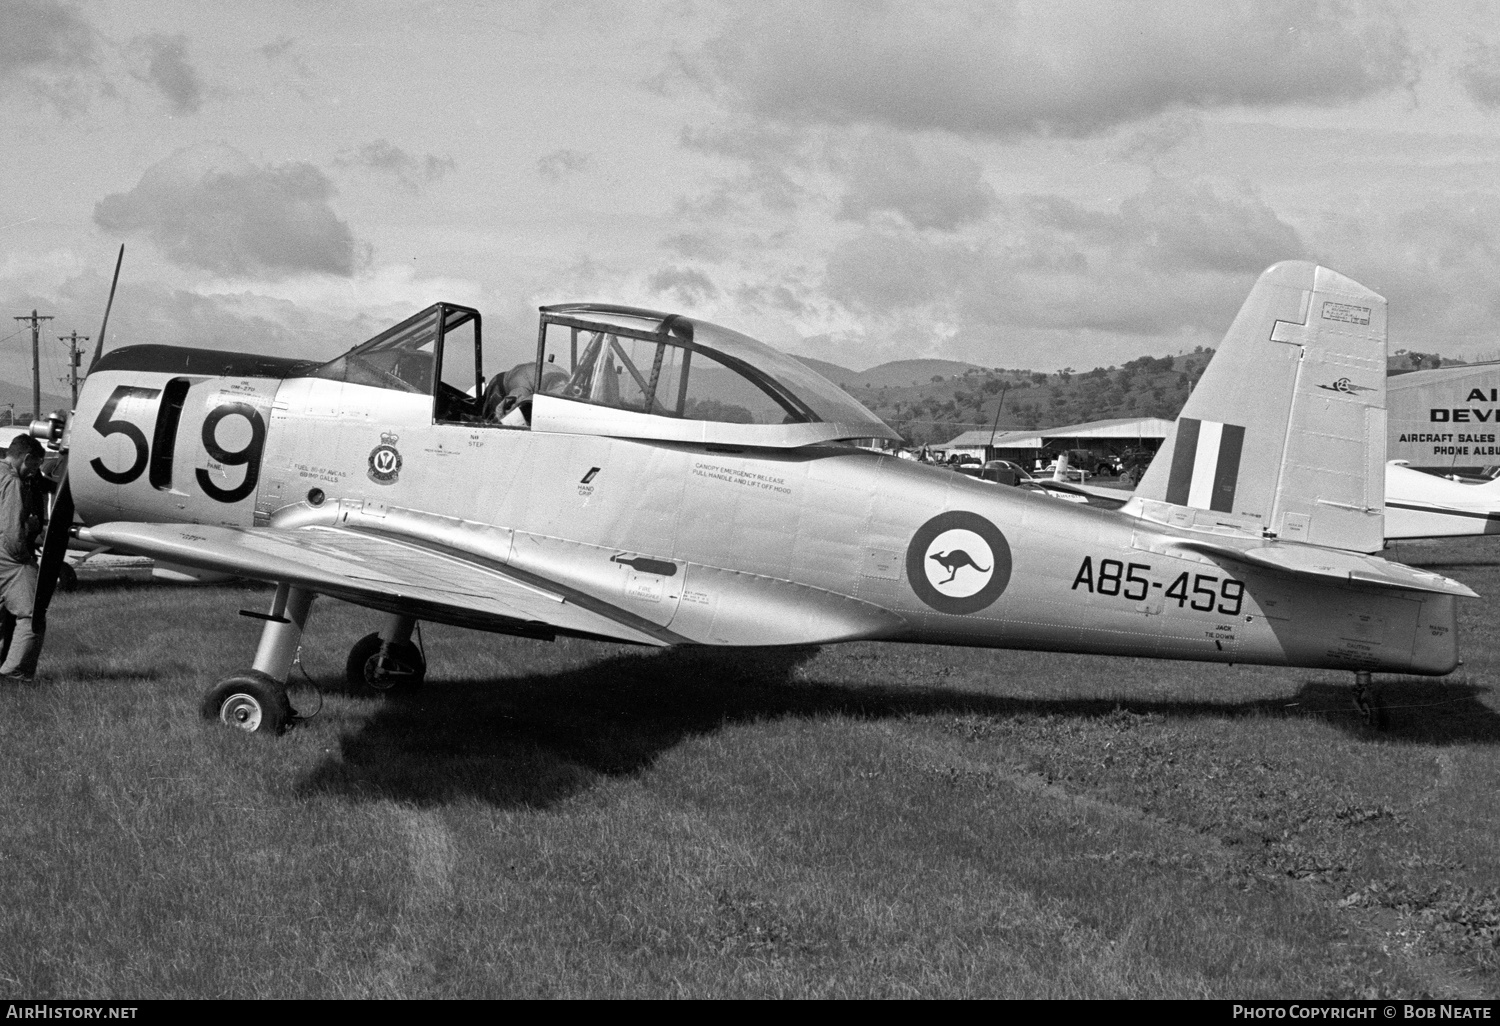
{"x":900,"y":373}
{"x":896,"y":374}
{"x":20,"y":395}
{"x":932,"y":412}
{"x":832,"y":371}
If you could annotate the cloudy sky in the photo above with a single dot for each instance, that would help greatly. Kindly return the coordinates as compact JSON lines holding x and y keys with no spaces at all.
{"x":1069,"y":182}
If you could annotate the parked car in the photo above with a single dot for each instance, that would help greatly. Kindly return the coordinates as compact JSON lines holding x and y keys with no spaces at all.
{"x":1072,"y":473}
{"x":1001,"y":472}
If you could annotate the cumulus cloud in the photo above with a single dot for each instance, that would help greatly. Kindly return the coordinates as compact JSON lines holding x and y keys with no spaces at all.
{"x":1044,"y":274}
{"x":748,"y":139}
{"x":1050,"y":281}
{"x":685,"y":285}
{"x":1161,"y":136}
{"x":881,"y":272}
{"x":1480,"y":75}
{"x":1067,"y":68}
{"x":764,"y":186}
{"x":779,"y":298}
{"x":410,"y":172}
{"x":1436,"y":262}
{"x":284,"y":51}
{"x":162,"y":62}
{"x":1169,"y":229}
{"x":210,"y":207}
{"x":42,"y":33}
{"x":929,"y":183}
{"x":696,"y":246}
{"x":558,"y":164}
{"x":1178,"y":226}
{"x":43,"y":43}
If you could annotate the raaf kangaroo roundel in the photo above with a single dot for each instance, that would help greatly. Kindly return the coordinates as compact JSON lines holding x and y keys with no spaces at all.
{"x":958,"y":562}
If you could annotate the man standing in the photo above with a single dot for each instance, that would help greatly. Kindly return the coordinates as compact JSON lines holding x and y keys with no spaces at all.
{"x":20,"y":523}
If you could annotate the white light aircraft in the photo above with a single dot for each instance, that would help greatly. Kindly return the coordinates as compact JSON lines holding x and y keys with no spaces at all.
{"x":656,"y":479}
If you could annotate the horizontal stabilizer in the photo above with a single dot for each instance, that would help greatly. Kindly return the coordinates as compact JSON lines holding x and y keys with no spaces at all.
{"x":1313,"y":561}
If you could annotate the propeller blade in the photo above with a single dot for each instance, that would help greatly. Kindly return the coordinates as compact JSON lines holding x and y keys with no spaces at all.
{"x":54,"y":549}
{"x":99,"y":342}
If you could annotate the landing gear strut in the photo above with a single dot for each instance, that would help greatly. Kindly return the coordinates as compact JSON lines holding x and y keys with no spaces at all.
{"x":1367,"y":702}
{"x":387,"y":661}
{"x":256,"y":701}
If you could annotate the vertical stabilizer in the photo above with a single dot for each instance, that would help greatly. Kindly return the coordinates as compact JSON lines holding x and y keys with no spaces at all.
{"x":1284,"y":434}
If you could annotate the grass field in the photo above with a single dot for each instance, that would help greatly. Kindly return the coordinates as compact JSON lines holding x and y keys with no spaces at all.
{"x":580,"y":819}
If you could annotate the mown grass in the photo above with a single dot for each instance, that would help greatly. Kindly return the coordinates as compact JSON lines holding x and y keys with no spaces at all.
{"x":582,"y":819}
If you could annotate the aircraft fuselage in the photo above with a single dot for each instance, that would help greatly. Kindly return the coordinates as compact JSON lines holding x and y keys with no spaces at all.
{"x":716,"y":545}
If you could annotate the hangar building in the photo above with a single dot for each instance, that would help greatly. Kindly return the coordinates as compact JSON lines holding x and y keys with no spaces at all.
{"x":1445,"y":418}
{"x":1103,"y":438}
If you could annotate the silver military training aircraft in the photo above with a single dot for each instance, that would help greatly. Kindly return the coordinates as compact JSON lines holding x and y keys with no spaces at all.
{"x":657,"y":479}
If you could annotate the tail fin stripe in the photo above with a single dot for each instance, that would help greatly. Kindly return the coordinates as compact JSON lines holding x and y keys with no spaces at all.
{"x":1183,"y":457}
{"x":1205,"y":464}
{"x":1227,"y":473}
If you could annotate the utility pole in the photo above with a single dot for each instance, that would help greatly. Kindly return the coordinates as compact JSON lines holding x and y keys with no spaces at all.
{"x":73,"y":357}
{"x":36,"y":362}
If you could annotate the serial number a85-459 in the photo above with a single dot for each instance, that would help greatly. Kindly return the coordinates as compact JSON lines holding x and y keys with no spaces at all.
{"x":1113,"y":577}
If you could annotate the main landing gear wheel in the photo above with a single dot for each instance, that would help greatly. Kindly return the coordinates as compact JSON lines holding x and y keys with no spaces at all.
{"x":251,"y":702}
{"x":401,"y":669}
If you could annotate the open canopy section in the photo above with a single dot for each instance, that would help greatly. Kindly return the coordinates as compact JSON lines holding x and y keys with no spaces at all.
{"x":638,"y":373}
{"x":409,"y":357}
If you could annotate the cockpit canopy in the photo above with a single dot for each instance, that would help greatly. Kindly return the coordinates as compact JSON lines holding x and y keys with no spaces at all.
{"x":653,"y":375}
{"x":612,"y":370}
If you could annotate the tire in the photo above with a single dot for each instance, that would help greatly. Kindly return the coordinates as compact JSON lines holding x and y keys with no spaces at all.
{"x":250,"y":702}
{"x":361,"y":671}
{"x":67,"y":578}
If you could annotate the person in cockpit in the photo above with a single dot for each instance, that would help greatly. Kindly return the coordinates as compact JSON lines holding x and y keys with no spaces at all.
{"x":508,"y":399}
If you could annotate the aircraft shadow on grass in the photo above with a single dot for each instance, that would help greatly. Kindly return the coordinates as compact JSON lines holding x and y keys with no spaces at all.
{"x":533,"y":741}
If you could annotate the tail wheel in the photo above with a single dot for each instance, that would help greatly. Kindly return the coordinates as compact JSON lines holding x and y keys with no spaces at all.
{"x":251,"y":702}
{"x":1371,"y":710}
{"x":401,"y":669}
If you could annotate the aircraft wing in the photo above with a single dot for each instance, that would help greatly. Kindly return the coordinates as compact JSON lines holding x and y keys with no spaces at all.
{"x":384,"y":574}
{"x":1336,"y":563}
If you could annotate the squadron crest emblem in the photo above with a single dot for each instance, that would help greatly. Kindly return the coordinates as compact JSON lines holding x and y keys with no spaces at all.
{"x":385,"y":460}
{"x":1348,"y":387}
{"x":958,"y":562}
